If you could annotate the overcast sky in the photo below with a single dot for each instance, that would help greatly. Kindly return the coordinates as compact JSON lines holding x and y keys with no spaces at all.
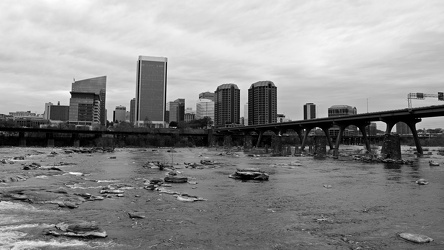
{"x":367,"y":54}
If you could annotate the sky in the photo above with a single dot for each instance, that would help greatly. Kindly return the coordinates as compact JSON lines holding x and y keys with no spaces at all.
{"x":367,"y":54}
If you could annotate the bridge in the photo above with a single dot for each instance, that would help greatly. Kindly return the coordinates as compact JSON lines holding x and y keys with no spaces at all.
{"x":49,"y":134}
{"x":409,"y":116}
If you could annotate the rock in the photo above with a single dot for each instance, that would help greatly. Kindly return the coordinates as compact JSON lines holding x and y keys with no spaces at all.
{"x":189,"y":198}
{"x":31,"y":166}
{"x":422,"y":182}
{"x":18,"y":158}
{"x":111,"y":191}
{"x":249,"y":174}
{"x":82,"y":229}
{"x":417,"y":238}
{"x":67,"y":204}
{"x":176,"y":179}
{"x":206,"y":162}
{"x":136,"y":215}
{"x":327,"y":186}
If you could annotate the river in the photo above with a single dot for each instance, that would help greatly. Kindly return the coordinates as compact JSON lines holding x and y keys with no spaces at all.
{"x":306,"y":204}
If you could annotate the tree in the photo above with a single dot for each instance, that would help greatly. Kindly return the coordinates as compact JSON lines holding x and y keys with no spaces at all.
{"x":173,"y":124}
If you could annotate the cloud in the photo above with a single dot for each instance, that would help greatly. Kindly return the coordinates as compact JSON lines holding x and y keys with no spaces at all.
{"x":326,"y":52}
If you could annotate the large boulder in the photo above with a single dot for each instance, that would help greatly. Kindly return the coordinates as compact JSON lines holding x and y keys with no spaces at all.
{"x":250,"y":174}
{"x":83,"y":229}
{"x":417,"y":238}
{"x":176,"y":179}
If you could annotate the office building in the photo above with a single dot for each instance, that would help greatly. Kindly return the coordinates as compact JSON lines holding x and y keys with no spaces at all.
{"x":309,"y":111}
{"x":177,"y":110}
{"x":96,"y":86}
{"x":246,"y":114}
{"x":59,"y":112}
{"x":84,"y":108}
{"x":227,"y":105}
{"x":132,"y":111}
{"x":189,"y":117}
{"x":207,"y":95}
{"x":262,"y":103}
{"x":47,"y":110}
{"x":403,"y":129}
{"x":151,"y":91}
{"x":342,"y":110}
{"x":119,"y":114}
{"x":205,"y":108}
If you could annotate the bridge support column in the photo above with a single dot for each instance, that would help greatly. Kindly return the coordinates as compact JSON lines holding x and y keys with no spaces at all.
{"x":248,"y":142}
{"x":304,"y":140}
{"x":391,"y":147}
{"x":327,"y":135}
{"x":259,"y":139}
{"x":320,"y":146}
{"x":227,"y":141}
{"x":364,"y":135}
{"x":210,"y":138}
{"x":276,"y":144}
{"x":338,"y":141}
{"x":22,"y":139}
{"x":412,"y":125}
{"x":76,"y":140}
{"x":50,"y":140}
{"x":390,"y":124}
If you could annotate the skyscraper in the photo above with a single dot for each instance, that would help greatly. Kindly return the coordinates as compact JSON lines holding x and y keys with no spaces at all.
{"x":309,"y":111}
{"x":177,"y":110}
{"x":207,"y":95}
{"x":132,"y":110}
{"x":119,"y":114}
{"x":95,"y":85}
{"x":227,"y":105}
{"x":151,"y":91}
{"x":262,"y":103}
{"x":205,"y":108}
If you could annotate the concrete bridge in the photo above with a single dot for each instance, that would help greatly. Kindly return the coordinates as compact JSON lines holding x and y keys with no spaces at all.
{"x":303,"y":127}
{"x":50,"y":134}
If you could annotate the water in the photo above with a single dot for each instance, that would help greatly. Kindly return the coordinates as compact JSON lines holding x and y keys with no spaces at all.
{"x":306,"y":204}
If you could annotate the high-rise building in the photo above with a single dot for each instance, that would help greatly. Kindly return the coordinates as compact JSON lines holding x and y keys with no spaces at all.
{"x":119,"y":114}
{"x":309,"y":111}
{"x":132,"y":110}
{"x":84,"y":108}
{"x":262,"y":103}
{"x":47,"y":110}
{"x":151,"y":91}
{"x":177,"y":110}
{"x":96,"y":86}
{"x":342,"y":110}
{"x":205,"y":108}
{"x":207,"y":95}
{"x":59,"y":112}
{"x":246,"y":114}
{"x":403,"y":129}
{"x":227,"y":105}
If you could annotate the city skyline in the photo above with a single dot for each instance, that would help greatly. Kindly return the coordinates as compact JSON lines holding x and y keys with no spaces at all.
{"x":369,"y":55}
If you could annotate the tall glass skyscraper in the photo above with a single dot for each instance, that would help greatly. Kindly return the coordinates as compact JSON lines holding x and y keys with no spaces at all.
{"x":86,"y":90}
{"x":226,"y":105}
{"x":309,"y":111}
{"x":151,"y":91}
{"x":262,"y":103}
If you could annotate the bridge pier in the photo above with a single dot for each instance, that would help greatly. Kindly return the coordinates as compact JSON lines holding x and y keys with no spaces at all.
{"x":412,"y":125}
{"x":391,"y":147}
{"x":259,"y":139}
{"x":22,"y":139}
{"x":320,"y":147}
{"x":327,"y":135}
{"x":76,"y":140}
{"x":362,"y":127}
{"x":276,"y":144}
{"x":50,"y":140}
{"x":338,"y":140}
{"x":227,"y":141}
{"x":248,"y":141}
{"x":304,"y":140}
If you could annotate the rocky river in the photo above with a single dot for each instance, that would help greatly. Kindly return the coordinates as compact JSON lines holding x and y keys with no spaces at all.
{"x":62,"y":198}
